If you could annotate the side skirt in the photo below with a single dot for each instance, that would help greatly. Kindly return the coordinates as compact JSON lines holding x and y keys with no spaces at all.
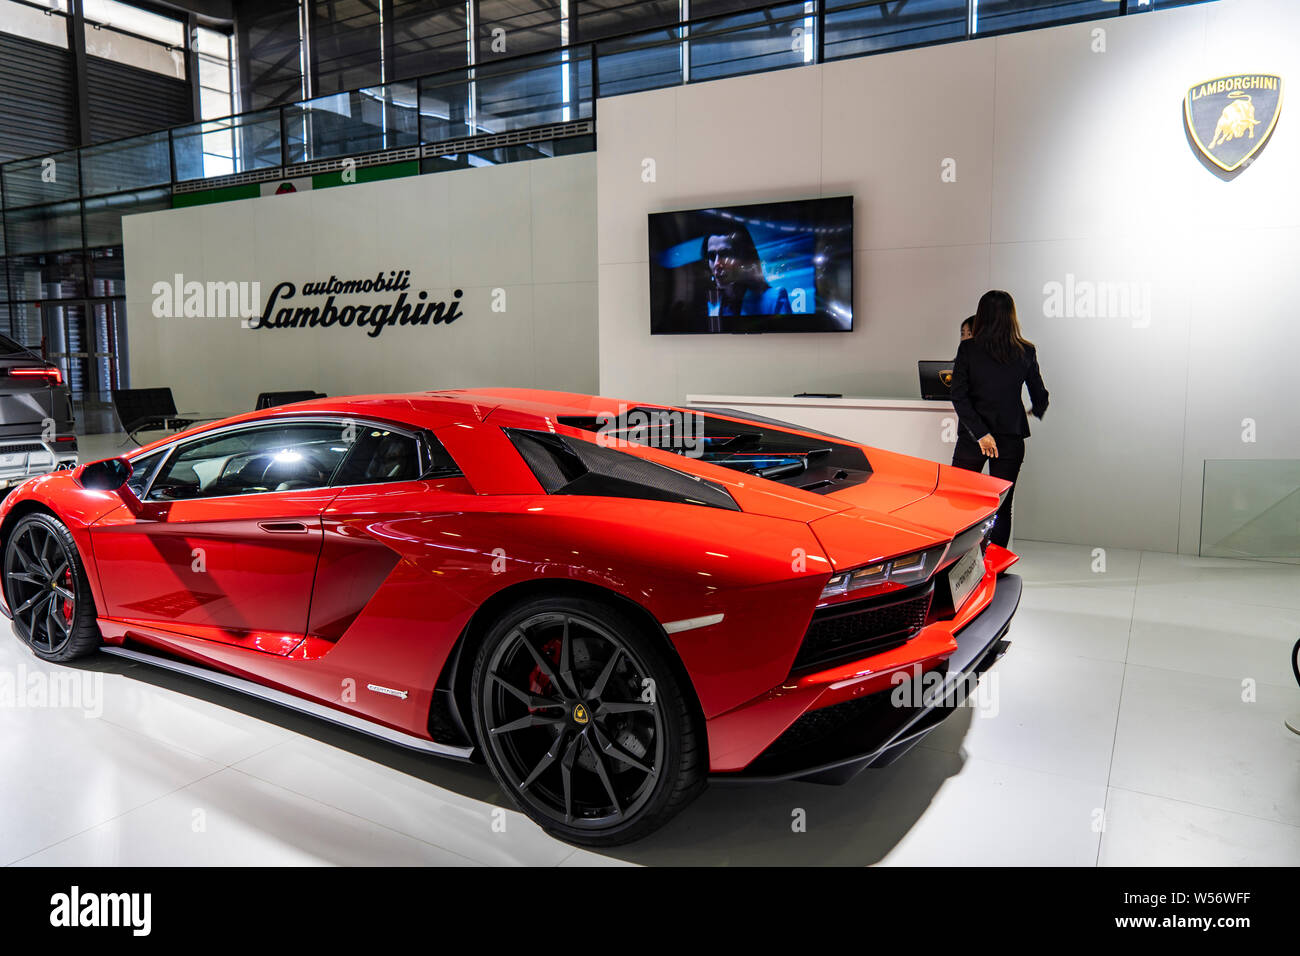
{"x":309,"y":707}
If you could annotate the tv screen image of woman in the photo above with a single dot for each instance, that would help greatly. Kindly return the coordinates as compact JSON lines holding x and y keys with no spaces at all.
{"x":739,"y":285}
{"x":768,"y":267}
{"x":990,"y":371}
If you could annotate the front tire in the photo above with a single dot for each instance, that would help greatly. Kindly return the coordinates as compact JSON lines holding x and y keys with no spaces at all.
{"x":47,"y":591}
{"x":584,"y":722}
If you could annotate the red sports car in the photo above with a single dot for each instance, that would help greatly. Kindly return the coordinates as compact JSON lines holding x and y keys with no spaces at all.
{"x":606,"y":603}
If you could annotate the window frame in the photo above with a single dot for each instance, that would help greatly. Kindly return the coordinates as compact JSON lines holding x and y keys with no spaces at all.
{"x":423,"y":452}
{"x":420,"y":435}
{"x":153,"y":473}
{"x":174,"y":449}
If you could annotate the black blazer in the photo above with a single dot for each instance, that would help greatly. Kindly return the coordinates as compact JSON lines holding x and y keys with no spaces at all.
{"x":986,"y":393}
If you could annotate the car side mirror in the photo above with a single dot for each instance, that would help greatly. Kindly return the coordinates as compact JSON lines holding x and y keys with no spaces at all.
{"x":108,"y":475}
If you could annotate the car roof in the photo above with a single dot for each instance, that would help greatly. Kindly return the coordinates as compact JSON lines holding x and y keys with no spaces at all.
{"x":519,"y":407}
{"x":436,"y":409}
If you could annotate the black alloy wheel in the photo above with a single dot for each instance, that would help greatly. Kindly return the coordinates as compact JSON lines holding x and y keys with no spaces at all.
{"x":46,"y":589}
{"x":583,"y":722}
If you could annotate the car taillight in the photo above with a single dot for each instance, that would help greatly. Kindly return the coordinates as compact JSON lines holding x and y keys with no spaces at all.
{"x":899,"y":572}
{"x":51,"y":375}
{"x":987,"y":526}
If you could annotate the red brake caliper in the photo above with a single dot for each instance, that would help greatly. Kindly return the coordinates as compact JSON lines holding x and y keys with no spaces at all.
{"x":538,"y":683}
{"x":67,"y":605}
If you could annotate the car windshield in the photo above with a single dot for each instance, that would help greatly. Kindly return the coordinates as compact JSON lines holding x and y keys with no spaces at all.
{"x":814,"y":462}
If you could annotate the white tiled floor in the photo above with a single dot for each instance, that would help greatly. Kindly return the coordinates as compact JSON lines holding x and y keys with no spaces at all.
{"x":1138,"y":719}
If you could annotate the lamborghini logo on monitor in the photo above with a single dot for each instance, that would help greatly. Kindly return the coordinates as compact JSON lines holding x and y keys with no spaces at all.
{"x":945,"y":376}
{"x":1230,"y":119}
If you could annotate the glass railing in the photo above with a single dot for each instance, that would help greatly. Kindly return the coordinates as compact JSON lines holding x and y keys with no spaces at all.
{"x":127,"y":164}
{"x":42,"y":179}
{"x":855,"y":28}
{"x":345,"y":124}
{"x":521,"y":93}
{"x":223,"y":147}
{"x":1251,"y":509}
{"x":753,"y":41}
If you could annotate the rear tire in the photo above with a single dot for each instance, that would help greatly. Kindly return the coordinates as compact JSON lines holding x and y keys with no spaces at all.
{"x":584,"y":722}
{"x":47,"y":591}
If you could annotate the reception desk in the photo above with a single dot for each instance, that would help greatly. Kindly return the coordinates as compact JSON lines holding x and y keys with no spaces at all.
{"x":907,"y":425}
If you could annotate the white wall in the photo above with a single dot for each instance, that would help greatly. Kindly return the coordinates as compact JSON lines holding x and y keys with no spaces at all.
{"x":1068,"y":161}
{"x":526,"y":228}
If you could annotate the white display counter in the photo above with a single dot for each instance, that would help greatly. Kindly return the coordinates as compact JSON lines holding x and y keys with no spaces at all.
{"x":911,"y":426}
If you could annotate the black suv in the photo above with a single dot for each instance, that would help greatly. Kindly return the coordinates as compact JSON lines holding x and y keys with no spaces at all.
{"x":36,"y":419}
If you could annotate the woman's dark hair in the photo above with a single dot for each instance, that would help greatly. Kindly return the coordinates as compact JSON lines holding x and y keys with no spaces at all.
{"x":997,"y":327}
{"x":969,"y":321}
{"x":742,"y":245}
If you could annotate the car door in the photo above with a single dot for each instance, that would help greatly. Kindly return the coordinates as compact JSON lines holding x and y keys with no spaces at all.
{"x":225,"y":541}
{"x":390,"y":475}
{"x":386,"y":611}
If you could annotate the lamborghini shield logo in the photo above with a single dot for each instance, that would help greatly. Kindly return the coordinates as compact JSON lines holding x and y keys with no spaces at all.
{"x":1230,"y":118}
{"x":945,"y":376}
{"x":580,"y":714}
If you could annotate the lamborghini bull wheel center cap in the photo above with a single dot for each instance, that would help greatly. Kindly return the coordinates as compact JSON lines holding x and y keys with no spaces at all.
{"x":580,"y":714}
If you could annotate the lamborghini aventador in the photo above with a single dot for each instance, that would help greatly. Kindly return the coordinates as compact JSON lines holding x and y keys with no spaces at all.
{"x":606,"y":603}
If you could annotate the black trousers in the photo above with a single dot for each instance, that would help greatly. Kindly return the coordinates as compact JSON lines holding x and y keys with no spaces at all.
{"x":1011,"y":454}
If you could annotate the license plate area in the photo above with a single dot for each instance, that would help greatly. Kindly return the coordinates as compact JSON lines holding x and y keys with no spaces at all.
{"x":965,"y":576}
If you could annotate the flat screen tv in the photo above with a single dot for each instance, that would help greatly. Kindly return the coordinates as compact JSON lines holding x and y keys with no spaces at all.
{"x":766,"y":267}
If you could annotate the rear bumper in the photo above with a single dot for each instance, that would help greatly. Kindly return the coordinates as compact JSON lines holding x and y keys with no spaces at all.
{"x":875,"y":730}
{"x":23,"y":458}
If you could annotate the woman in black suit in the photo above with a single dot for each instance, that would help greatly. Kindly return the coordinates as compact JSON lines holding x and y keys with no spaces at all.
{"x":988,"y":375}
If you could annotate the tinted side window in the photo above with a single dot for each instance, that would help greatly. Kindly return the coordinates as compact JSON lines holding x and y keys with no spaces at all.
{"x":380,"y":455}
{"x":253,"y":460}
{"x":142,"y":470}
{"x":441,"y":464}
